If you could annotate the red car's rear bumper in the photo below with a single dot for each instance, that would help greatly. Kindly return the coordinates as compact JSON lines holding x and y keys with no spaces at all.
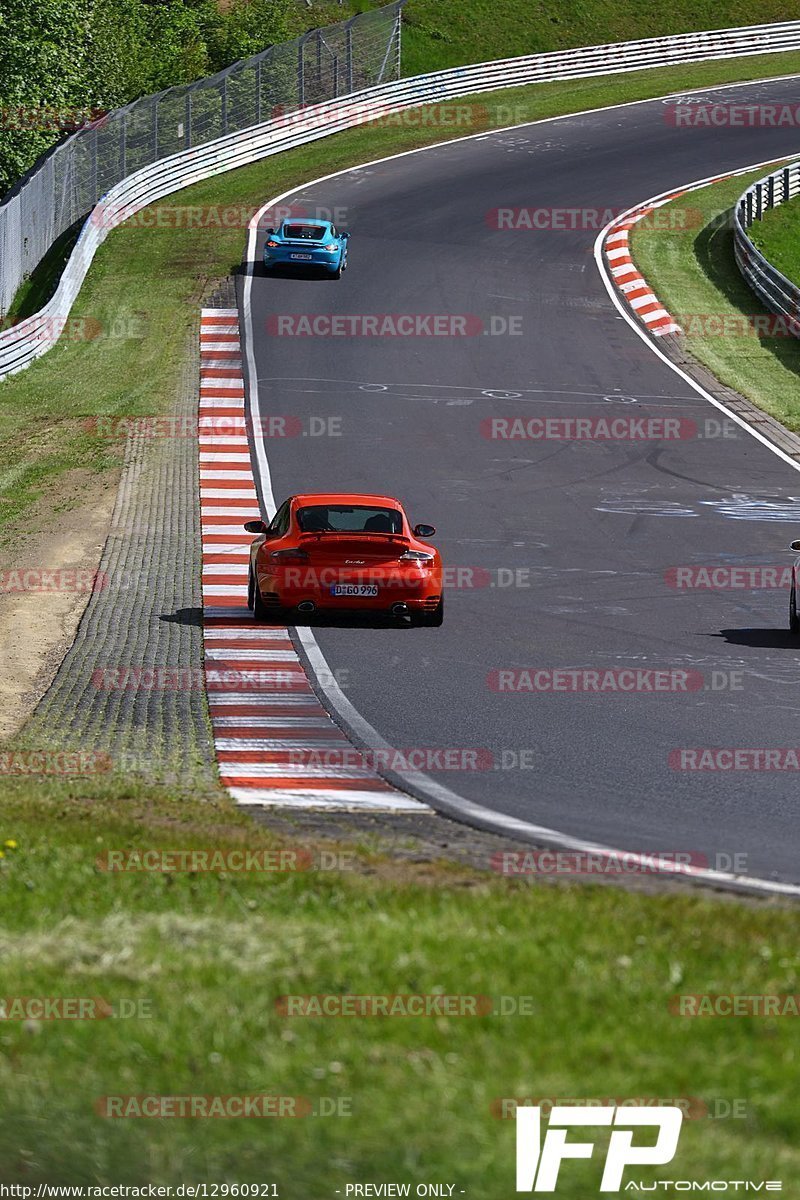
{"x":419,"y":591}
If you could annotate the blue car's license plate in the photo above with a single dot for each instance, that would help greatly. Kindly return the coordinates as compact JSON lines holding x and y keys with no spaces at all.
{"x":306,"y":256}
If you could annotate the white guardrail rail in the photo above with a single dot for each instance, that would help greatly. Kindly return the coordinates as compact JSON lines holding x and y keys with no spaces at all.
{"x":29,"y":339}
{"x":773,"y":289}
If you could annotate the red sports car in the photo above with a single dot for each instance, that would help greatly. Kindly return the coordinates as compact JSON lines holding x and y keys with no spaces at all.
{"x":344,"y":552}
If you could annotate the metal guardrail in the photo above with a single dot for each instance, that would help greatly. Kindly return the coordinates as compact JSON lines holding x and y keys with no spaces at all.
{"x":23,"y":343}
{"x":773,"y":289}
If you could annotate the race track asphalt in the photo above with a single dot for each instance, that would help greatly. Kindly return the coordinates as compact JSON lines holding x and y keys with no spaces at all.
{"x":575,"y":537}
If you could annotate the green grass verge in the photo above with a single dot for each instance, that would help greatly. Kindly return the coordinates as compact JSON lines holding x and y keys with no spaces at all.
{"x":777,"y":236}
{"x":140,"y":299}
{"x":208,"y":954}
{"x":692,"y":271}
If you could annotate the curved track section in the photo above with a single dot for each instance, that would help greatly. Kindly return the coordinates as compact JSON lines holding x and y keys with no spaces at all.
{"x":567,"y":547}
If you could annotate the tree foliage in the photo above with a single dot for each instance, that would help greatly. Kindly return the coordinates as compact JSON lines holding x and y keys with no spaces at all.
{"x":62,"y":60}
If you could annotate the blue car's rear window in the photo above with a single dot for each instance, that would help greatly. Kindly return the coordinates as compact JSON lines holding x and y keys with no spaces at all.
{"x":307,"y":232}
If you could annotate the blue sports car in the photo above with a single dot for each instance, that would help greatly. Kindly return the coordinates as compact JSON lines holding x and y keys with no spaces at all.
{"x":306,"y":244}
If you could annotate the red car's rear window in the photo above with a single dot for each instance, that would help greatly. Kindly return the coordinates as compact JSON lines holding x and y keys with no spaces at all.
{"x":334,"y":518}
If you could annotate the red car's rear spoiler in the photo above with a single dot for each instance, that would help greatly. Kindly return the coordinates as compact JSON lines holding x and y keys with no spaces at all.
{"x":331,"y":535}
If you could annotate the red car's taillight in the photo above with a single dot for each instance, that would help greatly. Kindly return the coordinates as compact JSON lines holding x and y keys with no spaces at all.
{"x":289,"y":556}
{"x":416,"y":556}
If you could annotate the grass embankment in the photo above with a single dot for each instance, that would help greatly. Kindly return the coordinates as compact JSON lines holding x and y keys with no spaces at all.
{"x":692,"y":270}
{"x":122,"y":352}
{"x":437,"y":34}
{"x":777,"y":236}
{"x":205,"y":956}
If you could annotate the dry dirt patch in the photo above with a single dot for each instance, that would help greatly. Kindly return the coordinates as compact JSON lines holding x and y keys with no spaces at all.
{"x":38,"y":627}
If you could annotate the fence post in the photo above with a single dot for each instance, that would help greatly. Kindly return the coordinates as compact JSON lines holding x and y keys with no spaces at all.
{"x":399,"y":27}
{"x":224,"y":114}
{"x":155,"y":131}
{"x":771,"y":191}
{"x":787,"y":184}
{"x":301,"y":69}
{"x":349,"y":42}
{"x":188,"y":120}
{"x":319,"y":58}
{"x":95,"y":196}
{"x":258,"y":92}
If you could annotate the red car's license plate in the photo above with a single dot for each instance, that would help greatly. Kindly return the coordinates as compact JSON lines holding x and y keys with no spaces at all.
{"x":354,"y":589}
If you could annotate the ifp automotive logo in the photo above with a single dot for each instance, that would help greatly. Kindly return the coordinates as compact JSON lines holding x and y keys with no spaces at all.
{"x":539,"y":1161}
{"x":538,"y":1164}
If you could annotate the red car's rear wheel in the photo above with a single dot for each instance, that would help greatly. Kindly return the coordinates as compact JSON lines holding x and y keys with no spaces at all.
{"x":433,"y":618}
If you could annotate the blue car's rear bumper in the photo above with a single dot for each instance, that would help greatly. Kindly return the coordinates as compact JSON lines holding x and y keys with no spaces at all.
{"x":302,"y":258}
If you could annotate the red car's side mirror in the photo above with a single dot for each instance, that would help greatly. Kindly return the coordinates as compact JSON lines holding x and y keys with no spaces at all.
{"x":255,"y":527}
{"x":424,"y":531}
